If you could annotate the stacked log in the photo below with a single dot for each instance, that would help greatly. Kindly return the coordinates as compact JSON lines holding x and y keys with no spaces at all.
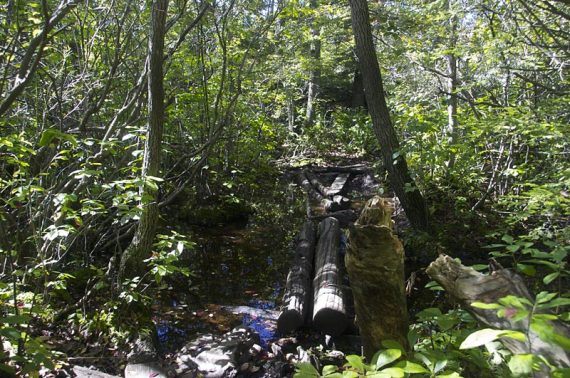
{"x":375,"y":265}
{"x":329,"y":313}
{"x":297,"y":298}
{"x":329,"y":197}
{"x":338,"y":185}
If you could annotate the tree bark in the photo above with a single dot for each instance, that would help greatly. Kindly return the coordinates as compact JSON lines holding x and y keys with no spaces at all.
{"x":452,"y":84}
{"x":315,"y":74}
{"x":394,"y":162}
{"x":297,"y":298}
{"x":375,"y":265}
{"x":467,"y":285}
{"x":132,"y":260}
{"x":329,"y":313}
{"x":358,"y":99}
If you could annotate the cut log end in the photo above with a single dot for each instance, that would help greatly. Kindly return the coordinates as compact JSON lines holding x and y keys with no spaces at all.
{"x":289,"y":320}
{"x":330,"y":321}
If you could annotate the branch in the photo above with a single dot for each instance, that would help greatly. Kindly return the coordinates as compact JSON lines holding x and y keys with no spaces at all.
{"x":33,"y":54}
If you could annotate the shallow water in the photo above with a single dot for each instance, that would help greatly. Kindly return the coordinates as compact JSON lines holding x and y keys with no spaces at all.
{"x":232,"y":265}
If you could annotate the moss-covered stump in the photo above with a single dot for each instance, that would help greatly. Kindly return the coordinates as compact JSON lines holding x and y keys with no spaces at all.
{"x":375,"y":265}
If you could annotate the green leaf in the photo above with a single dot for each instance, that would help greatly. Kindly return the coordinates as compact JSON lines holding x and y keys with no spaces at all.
{"x":440,"y":365}
{"x":411,"y":367}
{"x":528,"y":270}
{"x":486,"y":306}
{"x":305,"y":369}
{"x":355,"y":361}
{"x":507,"y":239}
{"x":51,"y":134}
{"x":428,"y":313}
{"x":387,"y":356}
{"x":450,"y":375}
{"x":521,"y":364}
{"x":558,"y":302}
{"x":486,"y":335}
{"x":15,"y":319}
{"x":545,"y":296}
{"x":551,"y":277}
{"x":349,"y":374}
{"x":393,"y":372}
{"x":329,"y":369}
{"x":561,"y":373}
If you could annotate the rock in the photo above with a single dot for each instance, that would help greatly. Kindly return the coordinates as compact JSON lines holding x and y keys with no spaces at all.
{"x":220,"y":356}
{"x":83,"y":372}
{"x":145,"y":370}
{"x":273,"y":369}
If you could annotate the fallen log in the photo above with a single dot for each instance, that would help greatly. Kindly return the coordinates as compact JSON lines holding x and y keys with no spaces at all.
{"x":297,"y":297}
{"x":467,"y":285}
{"x":312,"y":192}
{"x":338,"y":185}
{"x":344,"y":217}
{"x":329,"y":313}
{"x":375,"y":265}
{"x":355,"y":169}
{"x":315,"y":183}
{"x":340,"y":203}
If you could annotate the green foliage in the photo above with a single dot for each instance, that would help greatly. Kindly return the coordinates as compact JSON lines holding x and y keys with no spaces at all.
{"x":164,"y":260}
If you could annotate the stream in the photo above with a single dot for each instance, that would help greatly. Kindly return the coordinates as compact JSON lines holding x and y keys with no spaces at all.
{"x":238,"y":273}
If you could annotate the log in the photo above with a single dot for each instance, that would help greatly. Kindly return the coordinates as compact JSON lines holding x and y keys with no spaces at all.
{"x":329,"y":313}
{"x":312,"y":192}
{"x":297,"y":297}
{"x":467,"y":285}
{"x":339,"y":203}
{"x":315,"y":189}
{"x":375,"y":265}
{"x":344,"y":217}
{"x":338,"y":185}
{"x":356,"y":169}
{"x":316,"y":184}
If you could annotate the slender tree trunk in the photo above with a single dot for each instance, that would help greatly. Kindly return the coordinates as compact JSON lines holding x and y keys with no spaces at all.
{"x":358,"y":99}
{"x":315,"y":76}
{"x":132,"y":259}
{"x":394,"y":162}
{"x":452,"y":85}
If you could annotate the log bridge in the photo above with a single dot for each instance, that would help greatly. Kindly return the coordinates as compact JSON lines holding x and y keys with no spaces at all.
{"x":314,"y":294}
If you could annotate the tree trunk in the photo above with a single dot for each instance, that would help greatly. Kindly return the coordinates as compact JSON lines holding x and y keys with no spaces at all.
{"x":297,"y":298}
{"x":329,"y":313}
{"x":452,"y":84}
{"x":467,"y":285}
{"x":410,"y":197}
{"x":140,"y":248}
{"x":375,"y":265}
{"x":315,"y":75}
{"x":358,"y":99}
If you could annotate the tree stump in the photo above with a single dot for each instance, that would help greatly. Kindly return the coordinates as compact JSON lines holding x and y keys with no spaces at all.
{"x":329,"y":313}
{"x":467,"y":285}
{"x":375,"y":265}
{"x":297,"y":297}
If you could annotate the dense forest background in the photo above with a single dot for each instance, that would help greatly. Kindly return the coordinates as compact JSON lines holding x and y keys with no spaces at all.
{"x":119,"y":117}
